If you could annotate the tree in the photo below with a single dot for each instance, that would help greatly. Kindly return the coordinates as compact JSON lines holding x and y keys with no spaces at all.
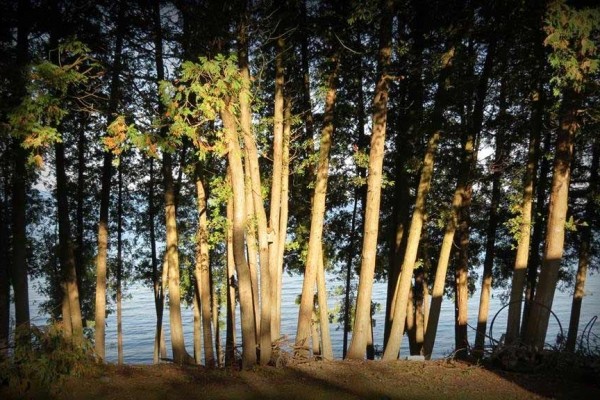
{"x":573,"y":61}
{"x":107,"y":171}
{"x":371,"y":223}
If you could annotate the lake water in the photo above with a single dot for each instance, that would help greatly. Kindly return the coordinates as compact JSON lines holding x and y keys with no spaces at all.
{"x":139,"y":319}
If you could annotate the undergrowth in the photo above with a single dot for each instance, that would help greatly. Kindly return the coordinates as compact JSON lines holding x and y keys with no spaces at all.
{"x":41,"y":359}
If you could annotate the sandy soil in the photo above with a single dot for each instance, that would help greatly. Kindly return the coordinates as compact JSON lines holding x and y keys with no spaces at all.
{"x":317,"y":380}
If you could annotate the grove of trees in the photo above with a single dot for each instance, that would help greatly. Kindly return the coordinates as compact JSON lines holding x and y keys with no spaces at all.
{"x":205,"y":148}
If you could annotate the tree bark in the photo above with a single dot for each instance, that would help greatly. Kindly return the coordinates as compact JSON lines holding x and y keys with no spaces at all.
{"x":520,"y":269}
{"x":537,"y":324}
{"x":326,"y":349}
{"x":501,"y":149}
{"x":317,"y":217}
{"x":584,"y":247}
{"x":157,"y":286}
{"x":231,"y":286}
{"x":107,"y":171}
{"x":203,"y":271}
{"x":67,"y":255}
{"x":374,"y":181}
{"x":239,"y":228}
{"x":276,"y":182}
{"x":258,"y":202}
{"x":410,"y":256}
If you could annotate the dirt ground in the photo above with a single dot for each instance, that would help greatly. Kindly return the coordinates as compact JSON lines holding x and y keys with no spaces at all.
{"x":317,"y":380}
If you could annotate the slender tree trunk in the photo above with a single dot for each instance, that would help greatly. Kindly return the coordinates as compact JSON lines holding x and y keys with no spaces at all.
{"x":522,"y":256}
{"x":540,"y":211}
{"x":67,"y":255}
{"x":197,"y":326}
{"x":203,"y":270}
{"x":239,"y":228}
{"x":261,"y":217}
{"x":410,"y":255}
{"x":537,"y":324}
{"x":216,"y":300}
{"x":501,"y":151}
{"x":327,"y":351}
{"x":252,"y":244}
{"x":347,"y":305}
{"x":79,"y":228}
{"x":156,"y":278}
{"x":374,"y":180}
{"x":107,"y":171}
{"x":18,"y":268}
{"x":231,"y":287}
{"x":585,"y":250}
{"x":276,"y":182}
{"x":119,"y":273}
{"x":317,"y":215}
{"x":283,"y":218}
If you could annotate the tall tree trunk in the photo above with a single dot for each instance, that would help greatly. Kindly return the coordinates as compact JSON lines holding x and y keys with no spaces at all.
{"x":203,"y":270}
{"x":540,"y":208}
{"x":67,"y":254}
{"x":180,"y":354}
{"x":347,"y":303}
{"x":157,"y":287}
{"x":216,"y":300}
{"x":501,"y":150}
{"x":79,"y":228}
{"x":317,"y":217}
{"x":259,"y":209}
{"x":231,"y":286}
{"x":537,"y":324}
{"x":252,"y":244}
{"x":18,"y":267}
{"x":410,"y":256}
{"x":119,"y":273}
{"x":522,"y":256}
{"x":275,"y":203}
{"x":584,"y":247}
{"x":371,"y":223}
{"x":107,"y":171}
{"x":239,"y":227}
{"x":283,"y":218}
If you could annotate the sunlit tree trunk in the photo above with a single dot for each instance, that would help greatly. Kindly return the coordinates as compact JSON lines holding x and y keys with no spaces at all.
{"x":67,"y":254}
{"x":197,"y":336}
{"x":202,"y":271}
{"x":317,"y":214}
{"x":539,"y":210}
{"x":327,"y":351}
{"x":374,"y":180}
{"x":585,"y":250}
{"x":410,"y":256}
{"x":277,"y":176}
{"x":513,"y":325}
{"x":107,"y":171}
{"x":537,"y":324}
{"x":258,"y":201}
{"x":283,"y":218}
{"x":239,"y":246}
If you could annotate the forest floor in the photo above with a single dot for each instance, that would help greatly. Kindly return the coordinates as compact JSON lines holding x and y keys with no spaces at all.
{"x":319,"y":380}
